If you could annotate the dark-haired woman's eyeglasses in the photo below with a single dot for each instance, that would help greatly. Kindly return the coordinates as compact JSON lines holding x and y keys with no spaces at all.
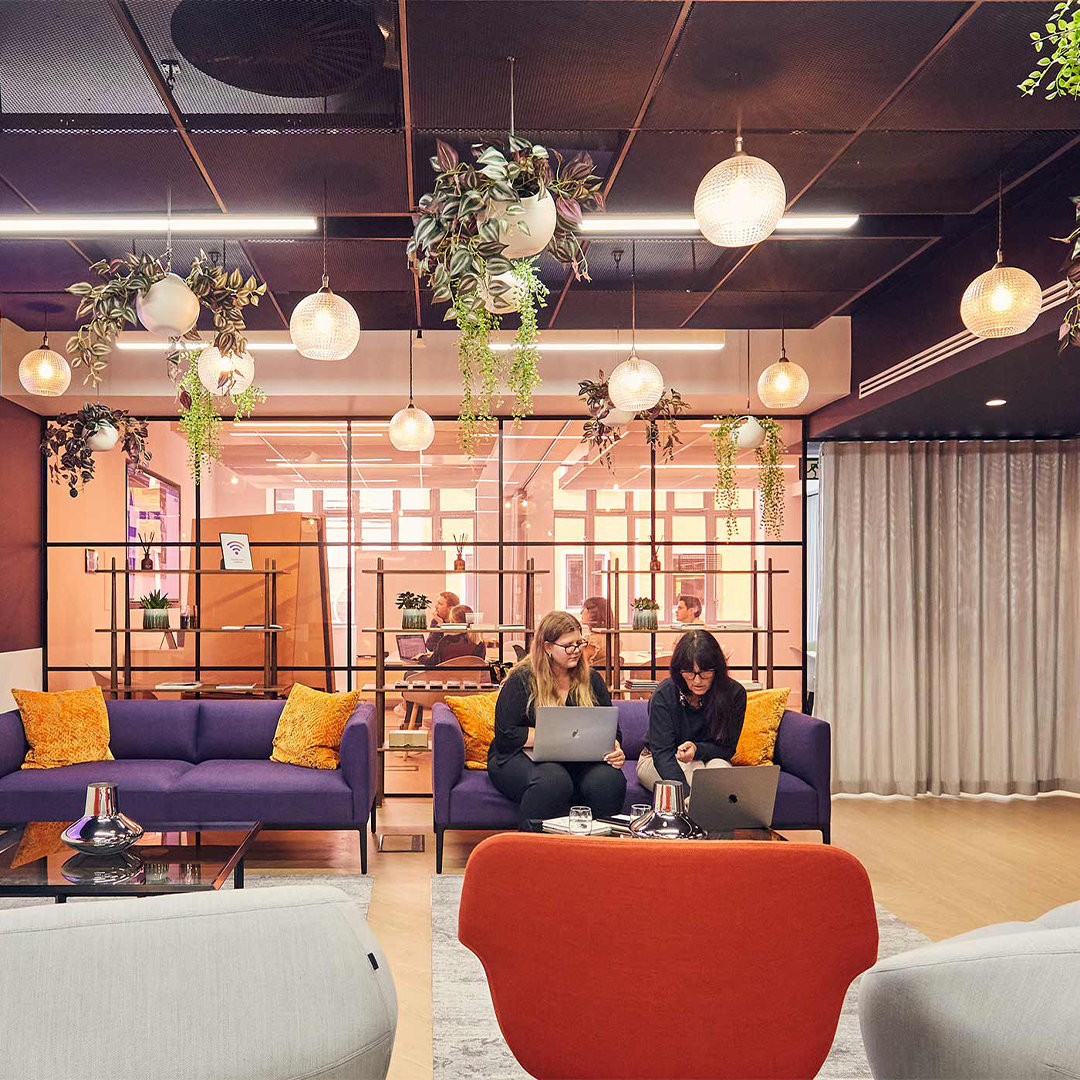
{"x":573,"y":647}
{"x":703,"y":676}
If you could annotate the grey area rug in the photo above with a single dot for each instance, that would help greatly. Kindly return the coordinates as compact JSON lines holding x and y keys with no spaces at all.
{"x":466,"y":1041}
{"x":355,"y":885}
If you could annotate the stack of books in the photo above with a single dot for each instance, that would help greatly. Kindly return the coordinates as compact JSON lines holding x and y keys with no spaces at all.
{"x":641,"y":684}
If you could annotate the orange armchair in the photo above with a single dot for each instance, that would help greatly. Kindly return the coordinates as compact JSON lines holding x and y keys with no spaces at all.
{"x":645,"y":958}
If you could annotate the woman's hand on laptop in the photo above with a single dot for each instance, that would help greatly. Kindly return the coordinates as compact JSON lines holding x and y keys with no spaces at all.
{"x":686,"y":751}
{"x":617,"y":757}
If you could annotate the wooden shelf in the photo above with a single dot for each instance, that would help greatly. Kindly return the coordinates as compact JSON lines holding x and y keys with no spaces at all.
{"x":202,"y":688}
{"x":446,"y":570}
{"x":519,"y":629}
{"x":692,"y":626}
{"x":195,"y":630}
{"x":422,"y":687}
{"x":168,"y":570}
{"x":704,"y":573}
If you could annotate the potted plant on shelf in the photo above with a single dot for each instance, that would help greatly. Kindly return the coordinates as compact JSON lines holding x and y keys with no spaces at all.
{"x":604,"y":427}
{"x":141,"y":288}
{"x":70,"y":441}
{"x":413,"y":610}
{"x":475,"y":244}
{"x":645,"y":609}
{"x":459,"y":543}
{"x":145,"y":543}
{"x":770,"y":459}
{"x":155,"y":607}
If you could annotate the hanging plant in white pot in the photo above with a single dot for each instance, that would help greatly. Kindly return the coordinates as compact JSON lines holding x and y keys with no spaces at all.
{"x":168,"y":307}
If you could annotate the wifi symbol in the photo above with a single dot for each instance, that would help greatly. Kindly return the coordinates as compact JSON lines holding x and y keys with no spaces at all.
{"x":235,"y":547}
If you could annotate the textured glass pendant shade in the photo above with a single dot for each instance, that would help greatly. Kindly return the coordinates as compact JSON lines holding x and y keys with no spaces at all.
{"x":411,"y":429}
{"x":635,"y":385}
{"x":324,"y":326}
{"x":44,"y":372}
{"x":783,"y":385}
{"x":231,"y":374}
{"x":1002,"y":302}
{"x":740,"y":201}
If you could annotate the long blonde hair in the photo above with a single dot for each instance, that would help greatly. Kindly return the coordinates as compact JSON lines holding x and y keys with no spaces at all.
{"x":538,"y":665}
{"x":457,"y":614}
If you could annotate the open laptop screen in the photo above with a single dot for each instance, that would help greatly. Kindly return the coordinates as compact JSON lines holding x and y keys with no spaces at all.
{"x":410,"y":646}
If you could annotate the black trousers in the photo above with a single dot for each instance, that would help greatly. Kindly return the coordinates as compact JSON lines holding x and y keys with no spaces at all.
{"x":548,"y":789}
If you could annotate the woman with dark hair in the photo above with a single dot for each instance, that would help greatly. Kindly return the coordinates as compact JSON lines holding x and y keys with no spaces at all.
{"x":695,"y":716}
{"x":596,"y":614}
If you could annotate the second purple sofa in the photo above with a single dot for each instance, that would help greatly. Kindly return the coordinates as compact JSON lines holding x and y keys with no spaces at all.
{"x":467,"y":799}
{"x":199,"y":765}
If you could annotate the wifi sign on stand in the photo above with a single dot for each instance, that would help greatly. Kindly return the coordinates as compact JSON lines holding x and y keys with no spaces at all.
{"x":235,"y":551}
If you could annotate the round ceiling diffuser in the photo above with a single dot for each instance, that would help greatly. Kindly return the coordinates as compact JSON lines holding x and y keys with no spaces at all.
{"x":288,"y":48}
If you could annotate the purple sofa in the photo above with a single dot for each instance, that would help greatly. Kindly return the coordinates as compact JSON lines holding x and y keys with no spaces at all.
{"x":467,"y":799}
{"x":196,"y":765}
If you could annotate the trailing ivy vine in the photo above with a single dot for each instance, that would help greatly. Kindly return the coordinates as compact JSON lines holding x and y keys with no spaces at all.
{"x":523,"y":376}
{"x":480,"y":370}
{"x":1061,"y":33}
{"x":724,"y":451}
{"x":770,"y":459}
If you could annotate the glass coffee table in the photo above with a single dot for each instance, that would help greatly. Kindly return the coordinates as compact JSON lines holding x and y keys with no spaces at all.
{"x":34,"y":861}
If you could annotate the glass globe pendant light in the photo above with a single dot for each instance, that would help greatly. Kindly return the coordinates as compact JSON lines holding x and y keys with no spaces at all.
{"x":230,"y":374}
{"x":324,"y":326}
{"x":636,"y":385}
{"x":411,"y":429}
{"x":1003,"y":301}
{"x":740,"y":201}
{"x":44,"y":372}
{"x":783,"y":385}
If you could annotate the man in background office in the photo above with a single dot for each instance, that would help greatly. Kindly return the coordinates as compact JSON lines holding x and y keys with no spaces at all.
{"x":689,"y":610}
{"x":444,"y":604}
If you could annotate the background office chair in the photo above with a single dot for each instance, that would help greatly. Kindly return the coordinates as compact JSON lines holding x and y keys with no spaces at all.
{"x":519,"y":650}
{"x":748,"y":948}
{"x":425,"y":699}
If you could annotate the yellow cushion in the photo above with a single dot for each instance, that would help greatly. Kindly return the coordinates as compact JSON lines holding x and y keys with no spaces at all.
{"x":64,"y":728}
{"x":476,"y":715}
{"x":310,"y":726}
{"x":764,"y":711}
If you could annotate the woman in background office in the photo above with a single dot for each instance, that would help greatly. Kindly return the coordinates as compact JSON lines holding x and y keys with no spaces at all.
{"x":596,"y":614}
{"x":451,"y":646}
{"x":556,"y":672}
{"x":695,"y":716}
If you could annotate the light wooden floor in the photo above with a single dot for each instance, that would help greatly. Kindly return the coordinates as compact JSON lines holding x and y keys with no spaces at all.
{"x":943,"y":865}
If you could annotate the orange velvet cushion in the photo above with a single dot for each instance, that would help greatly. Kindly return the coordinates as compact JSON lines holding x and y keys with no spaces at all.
{"x":310,"y":727}
{"x":476,"y":715}
{"x":64,"y":728}
{"x":764,"y":711}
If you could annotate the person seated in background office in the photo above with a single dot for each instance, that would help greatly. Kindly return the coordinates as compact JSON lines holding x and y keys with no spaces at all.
{"x":596,"y":612}
{"x":688,"y":610}
{"x":452,"y":645}
{"x":445,"y":602}
{"x":556,"y":672}
{"x":695,"y":716}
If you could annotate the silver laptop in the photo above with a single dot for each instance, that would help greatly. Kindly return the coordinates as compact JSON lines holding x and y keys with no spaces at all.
{"x":737,"y":798}
{"x":574,"y":732}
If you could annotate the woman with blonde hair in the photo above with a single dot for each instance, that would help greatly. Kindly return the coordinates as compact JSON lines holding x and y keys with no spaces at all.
{"x":556,"y":672}
{"x":451,"y":646}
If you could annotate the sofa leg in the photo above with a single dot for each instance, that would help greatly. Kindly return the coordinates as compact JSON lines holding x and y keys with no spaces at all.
{"x":374,"y":825}
{"x":363,"y":849}
{"x":826,"y":834}
{"x":439,"y":831}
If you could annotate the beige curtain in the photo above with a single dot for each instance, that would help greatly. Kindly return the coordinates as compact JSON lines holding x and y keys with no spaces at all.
{"x":949,"y":634}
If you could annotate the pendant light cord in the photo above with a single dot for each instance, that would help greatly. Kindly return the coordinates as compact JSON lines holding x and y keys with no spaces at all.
{"x":633,"y":297}
{"x":1000,"y":257}
{"x":510,"y":59}
{"x":738,"y":112}
{"x":45,"y":339}
{"x":325,"y":277}
{"x":783,"y":345}
{"x":412,"y":335}
{"x":748,"y":332}
{"x":617,"y":255}
{"x":168,"y":228}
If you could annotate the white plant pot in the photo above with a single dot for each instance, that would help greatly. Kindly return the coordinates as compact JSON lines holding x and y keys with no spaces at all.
{"x":505,"y":302}
{"x":169,"y":307}
{"x":538,"y":212}
{"x":749,"y":435}
{"x":104,"y":438}
{"x":617,"y":418}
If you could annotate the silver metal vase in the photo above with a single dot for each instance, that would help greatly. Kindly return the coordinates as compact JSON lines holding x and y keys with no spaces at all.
{"x":668,"y":819}
{"x":102,"y":830}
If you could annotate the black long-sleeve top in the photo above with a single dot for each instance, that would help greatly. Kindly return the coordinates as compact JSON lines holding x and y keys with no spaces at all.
{"x":672,"y":721}
{"x":515,"y":714}
{"x":451,"y":646}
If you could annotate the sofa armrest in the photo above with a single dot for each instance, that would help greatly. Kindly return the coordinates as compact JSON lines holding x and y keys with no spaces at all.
{"x":13,"y":744}
{"x":359,"y":761}
{"x":448,"y":758}
{"x":804,"y":749}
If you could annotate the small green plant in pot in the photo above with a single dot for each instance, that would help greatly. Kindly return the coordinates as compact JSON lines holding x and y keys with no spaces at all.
{"x":645,"y":613}
{"x":155,"y":607}
{"x":413,"y":610}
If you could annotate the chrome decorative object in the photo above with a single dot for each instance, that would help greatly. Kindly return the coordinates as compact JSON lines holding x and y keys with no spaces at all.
{"x":102,"y":830}
{"x":668,"y":819}
{"x":122,"y":868}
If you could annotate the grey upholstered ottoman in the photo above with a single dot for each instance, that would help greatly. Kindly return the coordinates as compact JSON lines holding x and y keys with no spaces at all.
{"x":259,"y":984}
{"x":1003,"y":1001}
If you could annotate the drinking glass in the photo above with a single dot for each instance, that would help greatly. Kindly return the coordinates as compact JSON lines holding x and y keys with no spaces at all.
{"x":580,"y":820}
{"x":638,"y":809}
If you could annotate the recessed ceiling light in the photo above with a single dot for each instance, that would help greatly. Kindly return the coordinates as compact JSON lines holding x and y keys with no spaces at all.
{"x":212,"y":225}
{"x":994,"y":402}
{"x":627,"y":224}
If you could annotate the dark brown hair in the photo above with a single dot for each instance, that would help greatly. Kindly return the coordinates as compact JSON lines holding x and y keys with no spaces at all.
{"x":698,"y":648}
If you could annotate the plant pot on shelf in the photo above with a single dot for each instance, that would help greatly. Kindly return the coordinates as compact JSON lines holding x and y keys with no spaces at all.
{"x":412,"y":619}
{"x":155,"y":618}
{"x":147,"y":563}
{"x":644,"y":620}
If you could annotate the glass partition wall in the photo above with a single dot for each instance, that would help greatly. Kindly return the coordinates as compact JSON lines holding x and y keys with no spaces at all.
{"x":322,"y":501}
